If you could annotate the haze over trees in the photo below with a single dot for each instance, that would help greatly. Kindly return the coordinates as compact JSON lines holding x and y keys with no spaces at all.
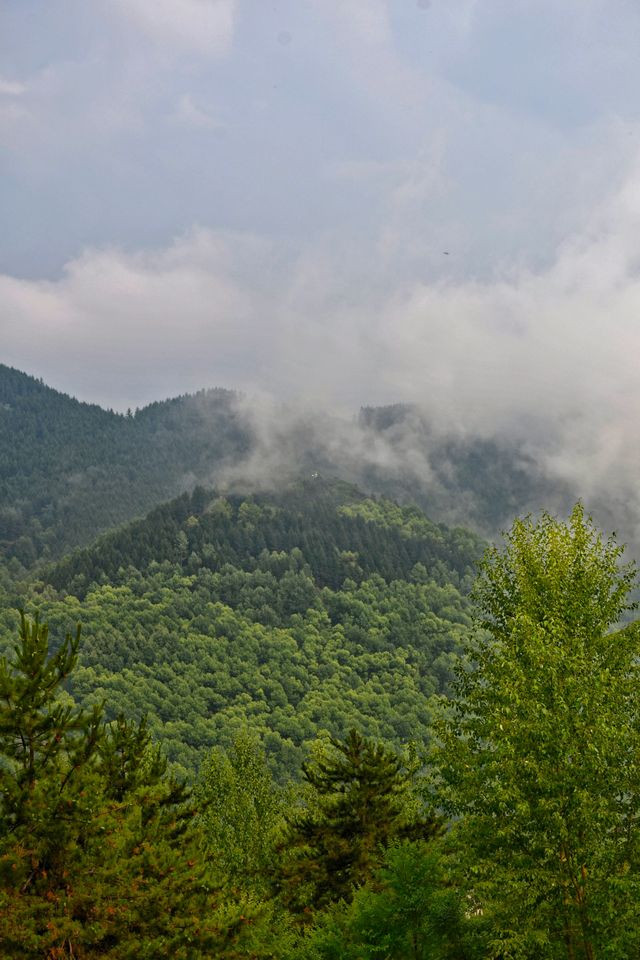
{"x":307,"y":723}
{"x":95,"y":468}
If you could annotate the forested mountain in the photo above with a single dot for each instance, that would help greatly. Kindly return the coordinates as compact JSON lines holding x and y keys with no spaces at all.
{"x":478,"y":482}
{"x":70,"y":470}
{"x":513,"y":832}
{"x":313,"y":608}
{"x":337,"y":528}
{"x":286,"y":645}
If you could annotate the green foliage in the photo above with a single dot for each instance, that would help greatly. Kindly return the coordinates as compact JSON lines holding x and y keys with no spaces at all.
{"x":539,"y":747}
{"x":104,"y":854}
{"x":331,"y":528}
{"x":358,"y":801}
{"x":99,"y":856}
{"x":42,"y":738}
{"x":95,"y":468}
{"x":408,"y":912}
{"x":239,"y":627}
{"x":410,"y":521}
{"x":316,"y":608}
{"x":240,"y":810}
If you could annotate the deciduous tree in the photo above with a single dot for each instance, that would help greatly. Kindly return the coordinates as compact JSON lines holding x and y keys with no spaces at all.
{"x":539,"y":752}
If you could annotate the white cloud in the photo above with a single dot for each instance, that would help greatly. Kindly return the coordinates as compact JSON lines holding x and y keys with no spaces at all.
{"x":124,"y":326}
{"x":547,"y":346}
{"x":11,"y":88}
{"x":532,"y":326}
{"x":200,"y":26}
{"x":548,"y":355}
{"x":190,"y":114}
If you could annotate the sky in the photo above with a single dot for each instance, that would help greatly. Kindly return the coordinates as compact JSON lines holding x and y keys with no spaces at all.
{"x":331,"y":203}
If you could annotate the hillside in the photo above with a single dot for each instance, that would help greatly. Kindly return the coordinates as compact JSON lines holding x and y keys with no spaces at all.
{"x":71,"y":470}
{"x":479,"y":482}
{"x":317,"y":608}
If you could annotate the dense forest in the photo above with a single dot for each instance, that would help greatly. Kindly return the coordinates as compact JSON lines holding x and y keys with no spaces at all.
{"x":510,"y":832}
{"x":302,"y":720}
{"x":70,"y":470}
{"x":315,"y":608}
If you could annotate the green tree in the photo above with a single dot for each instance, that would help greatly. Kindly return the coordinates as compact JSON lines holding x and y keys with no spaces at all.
{"x":409,"y":912}
{"x":240,"y":809}
{"x":98,"y":852}
{"x":359,"y":799}
{"x":539,"y":750}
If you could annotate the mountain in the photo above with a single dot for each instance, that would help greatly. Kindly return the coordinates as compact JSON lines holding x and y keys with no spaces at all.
{"x":338,"y":528}
{"x":314,"y":608}
{"x":70,"y":470}
{"x":480,"y":482}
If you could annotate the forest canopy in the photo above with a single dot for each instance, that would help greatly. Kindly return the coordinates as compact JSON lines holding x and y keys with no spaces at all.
{"x":314,"y":609}
{"x":507,"y":830}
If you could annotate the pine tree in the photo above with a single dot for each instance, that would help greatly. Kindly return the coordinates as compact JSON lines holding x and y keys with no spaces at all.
{"x":98,"y":852}
{"x":359,"y":800}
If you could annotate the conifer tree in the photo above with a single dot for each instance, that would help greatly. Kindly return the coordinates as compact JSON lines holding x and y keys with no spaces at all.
{"x":359,"y":800}
{"x":98,"y":852}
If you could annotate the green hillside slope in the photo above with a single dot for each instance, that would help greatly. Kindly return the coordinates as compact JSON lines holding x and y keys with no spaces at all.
{"x":69,"y":470}
{"x":318,"y":608}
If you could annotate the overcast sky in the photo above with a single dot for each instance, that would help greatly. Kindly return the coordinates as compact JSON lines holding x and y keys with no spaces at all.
{"x":345,"y":201}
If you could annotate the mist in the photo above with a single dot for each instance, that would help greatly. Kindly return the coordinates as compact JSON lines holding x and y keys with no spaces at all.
{"x":332,"y":207}
{"x":542,"y":363}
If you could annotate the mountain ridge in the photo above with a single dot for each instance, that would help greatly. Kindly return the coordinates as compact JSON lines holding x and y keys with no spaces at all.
{"x":70,"y":470}
{"x":313,"y":608}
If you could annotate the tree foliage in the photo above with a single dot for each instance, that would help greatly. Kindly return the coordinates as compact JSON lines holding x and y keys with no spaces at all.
{"x":240,"y":808}
{"x":539,"y":748}
{"x":409,"y":912}
{"x":98,"y":852}
{"x":263,"y":620}
{"x":359,"y":800}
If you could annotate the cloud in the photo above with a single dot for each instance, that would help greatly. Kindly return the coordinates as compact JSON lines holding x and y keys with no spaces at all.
{"x":528,"y":344}
{"x":190,"y":114}
{"x":11,"y":88}
{"x":196,"y":26}
{"x":546,"y":346}
{"x":125,"y":326}
{"x":544,"y":359}
{"x":432,"y":203}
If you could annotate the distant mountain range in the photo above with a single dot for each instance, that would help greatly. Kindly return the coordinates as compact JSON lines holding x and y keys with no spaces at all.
{"x":71,"y":470}
{"x":236,"y":564}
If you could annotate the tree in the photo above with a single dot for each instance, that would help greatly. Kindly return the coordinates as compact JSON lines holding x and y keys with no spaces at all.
{"x":98,"y":852}
{"x":408,"y":912}
{"x":240,"y":808}
{"x":539,"y":750}
{"x":359,"y":800}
